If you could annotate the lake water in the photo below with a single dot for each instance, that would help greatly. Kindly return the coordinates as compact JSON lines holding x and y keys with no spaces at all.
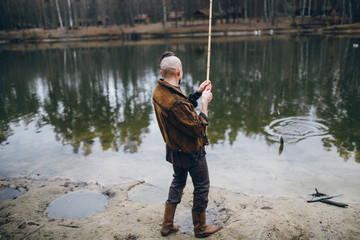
{"x":84,"y":111}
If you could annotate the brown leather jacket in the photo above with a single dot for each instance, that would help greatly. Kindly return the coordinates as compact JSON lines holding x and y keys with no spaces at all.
{"x":181,"y":127}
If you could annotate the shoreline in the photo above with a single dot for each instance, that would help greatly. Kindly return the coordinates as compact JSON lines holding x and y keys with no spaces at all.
{"x":157,"y":31}
{"x":95,"y":43}
{"x":242,"y":216}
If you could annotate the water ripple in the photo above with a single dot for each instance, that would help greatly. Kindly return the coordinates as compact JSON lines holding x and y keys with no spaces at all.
{"x":295,"y":129}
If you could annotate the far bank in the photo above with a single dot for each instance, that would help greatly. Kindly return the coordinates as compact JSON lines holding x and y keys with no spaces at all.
{"x":157,"y":30}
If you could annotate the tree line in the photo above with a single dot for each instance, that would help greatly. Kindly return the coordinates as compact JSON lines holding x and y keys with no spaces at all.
{"x":51,"y":14}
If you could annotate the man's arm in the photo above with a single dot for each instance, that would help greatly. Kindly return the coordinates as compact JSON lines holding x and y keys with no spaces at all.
{"x":183,"y":116}
{"x":187,"y":120}
{"x":193,"y":97}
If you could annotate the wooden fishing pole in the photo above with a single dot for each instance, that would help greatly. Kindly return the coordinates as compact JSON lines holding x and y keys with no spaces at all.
{"x":209,"y":48}
{"x":209,"y":42}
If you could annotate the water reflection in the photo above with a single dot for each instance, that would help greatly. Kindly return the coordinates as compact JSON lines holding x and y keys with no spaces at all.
{"x":17,"y":99}
{"x":300,"y":76}
{"x":104,"y":93}
{"x":85,"y":94}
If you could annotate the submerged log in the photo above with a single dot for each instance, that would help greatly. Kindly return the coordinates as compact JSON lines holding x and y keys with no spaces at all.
{"x":324,"y":198}
{"x":334,"y":203}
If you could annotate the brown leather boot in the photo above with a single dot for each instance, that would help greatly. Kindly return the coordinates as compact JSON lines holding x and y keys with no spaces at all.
{"x":168,"y":225}
{"x":201,"y":229}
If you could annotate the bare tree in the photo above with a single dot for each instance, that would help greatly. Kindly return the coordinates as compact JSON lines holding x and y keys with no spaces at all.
{"x":227,"y":5}
{"x":43,"y":14}
{"x":272,"y":12}
{"x":303,"y":11}
{"x":350,"y":12}
{"x":9,"y":14}
{"x":245,"y":10}
{"x":176,"y":13}
{"x":164,"y":12}
{"x":130,"y":16}
{"x":20,"y":14}
{"x":265,"y":11}
{"x":70,"y":15}
{"x":343,"y":12}
{"x":221,"y":12}
{"x":59,"y":13}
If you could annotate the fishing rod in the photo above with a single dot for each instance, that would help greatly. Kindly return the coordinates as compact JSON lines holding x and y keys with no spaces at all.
{"x":209,"y":43}
{"x":209,"y":48}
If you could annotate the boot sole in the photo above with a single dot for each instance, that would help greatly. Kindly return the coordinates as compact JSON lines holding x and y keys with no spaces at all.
{"x":166,"y":234}
{"x":203,"y":236}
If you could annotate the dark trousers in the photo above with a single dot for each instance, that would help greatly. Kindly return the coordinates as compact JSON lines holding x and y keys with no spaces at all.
{"x":200,"y":178}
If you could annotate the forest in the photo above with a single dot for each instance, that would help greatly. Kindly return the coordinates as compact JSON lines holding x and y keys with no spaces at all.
{"x":71,"y":14}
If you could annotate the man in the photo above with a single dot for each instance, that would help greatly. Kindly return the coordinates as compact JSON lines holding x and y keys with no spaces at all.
{"x":184,"y":132}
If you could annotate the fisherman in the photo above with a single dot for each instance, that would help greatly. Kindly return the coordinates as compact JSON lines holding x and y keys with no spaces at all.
{"x":184,"y":132}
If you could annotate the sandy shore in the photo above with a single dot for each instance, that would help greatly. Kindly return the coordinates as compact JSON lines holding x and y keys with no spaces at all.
{"x":243,"y":217}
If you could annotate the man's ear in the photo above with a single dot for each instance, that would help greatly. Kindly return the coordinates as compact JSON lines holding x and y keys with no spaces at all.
{"x":161,"y":72}
{"x":178,"y":72}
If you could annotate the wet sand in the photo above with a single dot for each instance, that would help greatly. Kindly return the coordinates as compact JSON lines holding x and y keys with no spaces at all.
{"x":243,"y":217}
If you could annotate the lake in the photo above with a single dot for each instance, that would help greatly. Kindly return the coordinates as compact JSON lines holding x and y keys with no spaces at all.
{"x":84,"y":111}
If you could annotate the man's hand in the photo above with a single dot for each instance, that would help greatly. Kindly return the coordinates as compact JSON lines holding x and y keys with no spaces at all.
{"x":206,"y":85}
{"x":205,"y":90}
{"x":206,"y":96}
